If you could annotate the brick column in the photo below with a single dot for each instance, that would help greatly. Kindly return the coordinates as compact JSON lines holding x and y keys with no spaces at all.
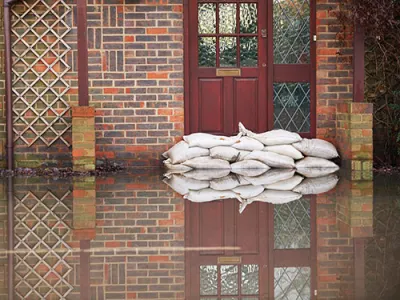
{"x":354,"y":135}
{"x":83,"y":139}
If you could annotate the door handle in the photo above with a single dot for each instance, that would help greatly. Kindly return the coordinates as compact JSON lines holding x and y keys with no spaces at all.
{"x":264,"y":33}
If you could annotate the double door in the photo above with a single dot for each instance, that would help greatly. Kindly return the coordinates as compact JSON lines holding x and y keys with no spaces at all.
{"x":250,"y":61}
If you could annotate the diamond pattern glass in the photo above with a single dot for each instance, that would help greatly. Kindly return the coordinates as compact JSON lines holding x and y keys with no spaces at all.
{"x":207,"y":52}
{"x":291,"y":31}
{"x":42,"y":269}
{"x":229,"y":280}
{"x":208,"y":280}
{"x":292,"y":225}
{"x":207,"y":18}
{"x":292,"y":107}
{"x":250,"y":280}
{"x":39,"y":51}
{"x":292,"y":283}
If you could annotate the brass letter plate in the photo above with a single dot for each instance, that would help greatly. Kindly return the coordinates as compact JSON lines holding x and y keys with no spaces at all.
{"x":228,"y":72}
{"x":229,"y":260}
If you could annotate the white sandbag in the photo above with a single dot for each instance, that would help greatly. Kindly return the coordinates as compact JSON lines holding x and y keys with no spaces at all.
{"x":249,"y":191}
{"x":244,"y":167}
{"x":206,"y":140}
{"x":276,"y":197}
{"x":271,"y":177}
{"x":273,"y":137}
{"x":225,"y":183}
{"x":248,"y":144}
{"x":181,"y":152}
{"x":207,"y":174}
{"x":250,"y":172}
{"x":272,"y":159}
{"x":316,"y":172}
{"x":224,"y":152}
{"x":314,"y":186}
{"x":165,"y":155}
{"x":285,"y":185}
{"x":243,"y":154}
{"x":317,"y":148}
{"x":315,"y":162}
{"x":207,"y":195}
{"x":207,"y":163}
{"x":242,"y":179}
{"x":287,"y":150}
{"x":182,"y":184}
{"x":176,"y":167}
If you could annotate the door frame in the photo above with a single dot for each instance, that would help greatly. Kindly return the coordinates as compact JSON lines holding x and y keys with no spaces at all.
{"x":270,"y":67}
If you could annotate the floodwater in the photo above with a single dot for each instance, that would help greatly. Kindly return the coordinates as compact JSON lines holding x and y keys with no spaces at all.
{"x":130,"y":236}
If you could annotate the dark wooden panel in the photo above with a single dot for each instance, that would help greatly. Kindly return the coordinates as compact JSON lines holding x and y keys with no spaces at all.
{"x":211,"y":105}
{"x":211,"y":227}
{"x":292,"y":258}
{"x":245,"y":102}
{"x":247,"y":233}
{"x":292,"y":73}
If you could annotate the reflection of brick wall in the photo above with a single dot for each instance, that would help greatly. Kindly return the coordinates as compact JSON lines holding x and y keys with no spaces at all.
{"x":2,"y":91}
{"x":3,"y":240}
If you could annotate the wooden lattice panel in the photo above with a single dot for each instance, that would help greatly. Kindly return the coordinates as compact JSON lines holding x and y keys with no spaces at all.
{"x":39,"y":50}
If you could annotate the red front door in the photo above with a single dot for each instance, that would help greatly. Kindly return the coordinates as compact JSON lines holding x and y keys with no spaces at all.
{"x":250,"y":61}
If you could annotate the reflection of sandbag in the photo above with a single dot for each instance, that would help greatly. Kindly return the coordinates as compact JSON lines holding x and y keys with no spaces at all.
{"x":207,"y":195}
{"x":176,"y":167}
{"x":272,"y":159}
{"x":250,"y":172}
{"x":248,"y":144}
{"x":226,"y":183}
{"x":271,"y":177}
{"x":207,"y":163}
{"x":285,"y":185}
{"x":243,"y":154}
{"x":181,"y":152}
{"x":206,"y":140}
{"x":226,"y":153}
{"x":317,"y":148}
{"x":246,"y":167}
{"x":271,"y":138}
{"x":287,"y":150}
{"x":314,"y":186}
{"x":249,"y":191}
{"x":315,"y":162}
{"x":207,"y":174}
{"x":276,"y":197}
{"x":316,"y":172}
{"x":182,"y":184}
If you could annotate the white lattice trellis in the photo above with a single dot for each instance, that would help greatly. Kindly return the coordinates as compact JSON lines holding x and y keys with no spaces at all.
{"x":41,"y":268}
{"x":39,"y":50}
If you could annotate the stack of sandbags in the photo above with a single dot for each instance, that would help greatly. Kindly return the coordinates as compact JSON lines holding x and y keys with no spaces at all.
{"x":251,"y":154}
{"x":277,"y":186}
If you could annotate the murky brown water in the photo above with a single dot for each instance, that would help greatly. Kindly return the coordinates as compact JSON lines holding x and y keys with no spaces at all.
{"x":132,"y":237}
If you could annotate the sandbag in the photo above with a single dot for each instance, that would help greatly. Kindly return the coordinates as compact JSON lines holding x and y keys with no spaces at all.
{"x":248,"y":144}
{"x":271,"y":138}
{"x":249,"y":191}
{"x":181,"y":152}
{"x":272,"y":159}
{"x":317,"y":148}
{"x":226,"y":153}
{"x":316,"y":172}
{"x":250,"y":172}
{"x":182,"y":184}
{"x":207,"y":195}
{"x":207,"y":163}
{"x":287,"y":150}
{"x":314,"y":186}
{"x":206,"y":140}
{"x":225,"y":183}
{"x":244,"y":167}
{"x":285,"y":185}
{"x":242,"y":154}
{"x":176,"y":167}
{"x":315,"y":162}
{"x":270,"y":177}
{"x":276,"y":197}
{"x":207,"y":174}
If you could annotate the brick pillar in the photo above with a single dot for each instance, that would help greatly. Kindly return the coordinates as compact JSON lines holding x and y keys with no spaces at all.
{"x":83,"y":139}
{"x":84,"y":208}
{"x":354,"y":135}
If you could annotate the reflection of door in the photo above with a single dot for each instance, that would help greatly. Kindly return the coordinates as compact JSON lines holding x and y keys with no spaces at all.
{"x":264,"y":253}
{"x":251,"y":61}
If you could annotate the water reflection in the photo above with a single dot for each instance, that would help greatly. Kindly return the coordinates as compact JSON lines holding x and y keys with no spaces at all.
{"x":132,"y":237}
